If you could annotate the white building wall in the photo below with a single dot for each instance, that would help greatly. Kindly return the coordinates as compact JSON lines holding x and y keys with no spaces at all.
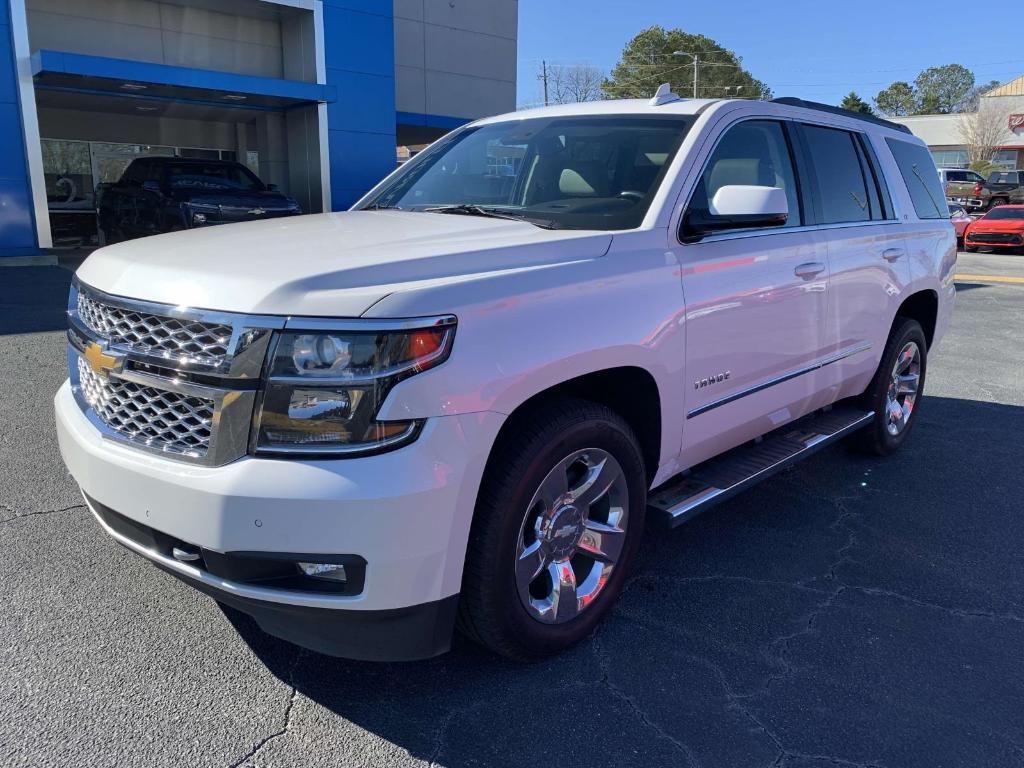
{"x":159,"y":32}
{"x":946,"y":130}
{"x":455,"y":58}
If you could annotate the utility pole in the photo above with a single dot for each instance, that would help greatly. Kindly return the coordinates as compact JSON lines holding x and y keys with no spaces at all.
{"x":544,"y":76}
{"x":696,"y":66}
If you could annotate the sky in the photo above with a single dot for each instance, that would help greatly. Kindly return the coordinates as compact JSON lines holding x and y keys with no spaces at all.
{"x":813,"y":49}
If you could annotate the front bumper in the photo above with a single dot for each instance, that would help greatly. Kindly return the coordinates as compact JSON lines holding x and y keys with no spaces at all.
{"x":406,"y":513}
{"x":979,"y":244}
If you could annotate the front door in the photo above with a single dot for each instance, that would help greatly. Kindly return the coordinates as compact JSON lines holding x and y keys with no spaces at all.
{"x":756,"y":302}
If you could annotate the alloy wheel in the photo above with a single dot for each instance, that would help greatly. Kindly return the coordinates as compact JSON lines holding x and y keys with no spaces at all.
{"x":572,"y":536}
{"x":904,"y":384}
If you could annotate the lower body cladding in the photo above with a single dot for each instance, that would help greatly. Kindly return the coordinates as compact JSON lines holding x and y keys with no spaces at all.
{"x":397,"y":522}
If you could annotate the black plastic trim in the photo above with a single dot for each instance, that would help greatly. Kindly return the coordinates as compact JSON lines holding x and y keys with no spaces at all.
{"x":792,"y":101}
{"x":276,"y":570}
{"x":400,"y":634}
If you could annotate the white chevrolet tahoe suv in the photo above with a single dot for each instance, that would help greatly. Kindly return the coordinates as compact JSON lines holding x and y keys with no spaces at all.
{"x":456,"y":404}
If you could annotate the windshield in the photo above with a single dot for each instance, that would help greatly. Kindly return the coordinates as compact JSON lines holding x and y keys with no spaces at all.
{"x":212,"y":176}
{"x":595,"y":172}
{"x":1004,"y":212}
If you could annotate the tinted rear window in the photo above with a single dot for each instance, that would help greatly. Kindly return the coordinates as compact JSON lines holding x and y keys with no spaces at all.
{"x":1003,"y":178}
{"x":918,"y":171}
{"x":840,"y":175}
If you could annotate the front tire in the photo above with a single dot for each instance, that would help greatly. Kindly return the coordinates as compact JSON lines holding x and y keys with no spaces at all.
{"x":558,"y":522}
{"x":895,"y":391}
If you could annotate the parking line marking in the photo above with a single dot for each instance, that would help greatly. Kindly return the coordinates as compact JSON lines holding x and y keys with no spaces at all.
{"x":988,"y":279}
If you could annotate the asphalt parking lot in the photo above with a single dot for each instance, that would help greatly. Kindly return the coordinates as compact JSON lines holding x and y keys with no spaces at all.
{"x":849,"y":612}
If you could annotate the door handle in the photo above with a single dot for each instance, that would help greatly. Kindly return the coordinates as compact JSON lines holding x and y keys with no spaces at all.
{"x":891,"y":254}
{"x":809,"y":270}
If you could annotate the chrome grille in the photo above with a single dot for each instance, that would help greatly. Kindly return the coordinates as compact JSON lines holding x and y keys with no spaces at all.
{"x":177,"y":339}
{"x":166,"y":421}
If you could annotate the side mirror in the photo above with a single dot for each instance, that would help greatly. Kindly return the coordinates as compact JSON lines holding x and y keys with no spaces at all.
{"x":272,"y":187}
{"x":739,"y":206}
{"x":152,"y":185}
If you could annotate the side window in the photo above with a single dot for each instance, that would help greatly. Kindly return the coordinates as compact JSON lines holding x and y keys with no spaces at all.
{"x":754,"y":152}
{"x":918,"y":171}
{"x":837,"y":168}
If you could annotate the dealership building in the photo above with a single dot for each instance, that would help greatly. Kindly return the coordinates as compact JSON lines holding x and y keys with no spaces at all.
{"x":314,"y":96}
{"x":1001,"y":114}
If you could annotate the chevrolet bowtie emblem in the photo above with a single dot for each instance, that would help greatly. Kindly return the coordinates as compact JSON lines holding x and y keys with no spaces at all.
{"x":101,"y":363}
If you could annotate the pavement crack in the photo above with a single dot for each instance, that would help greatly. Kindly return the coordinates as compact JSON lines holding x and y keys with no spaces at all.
{"x":960,"y":612}
{"x":247,"y":760}
{"x":637,"y":710}
{"x":36,"y":513}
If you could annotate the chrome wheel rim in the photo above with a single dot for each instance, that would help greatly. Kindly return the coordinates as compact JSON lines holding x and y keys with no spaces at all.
{"x":904,"y":385}
{"x":572,"y":536}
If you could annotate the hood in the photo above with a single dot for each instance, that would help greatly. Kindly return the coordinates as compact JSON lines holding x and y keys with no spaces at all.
{"x":331,"y":265}
{"x":998,"y":225}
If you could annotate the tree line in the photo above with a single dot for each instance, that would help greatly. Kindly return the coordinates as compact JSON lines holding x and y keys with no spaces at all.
{"x":697,"y":65}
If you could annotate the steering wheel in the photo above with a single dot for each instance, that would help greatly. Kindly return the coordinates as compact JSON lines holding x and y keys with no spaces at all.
{"x":632,"y":194}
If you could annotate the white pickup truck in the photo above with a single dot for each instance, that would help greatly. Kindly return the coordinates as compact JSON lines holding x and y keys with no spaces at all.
{"x":456,"y":404}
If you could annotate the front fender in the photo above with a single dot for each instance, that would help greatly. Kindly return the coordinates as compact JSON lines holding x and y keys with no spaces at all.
{"x":531,"y":330}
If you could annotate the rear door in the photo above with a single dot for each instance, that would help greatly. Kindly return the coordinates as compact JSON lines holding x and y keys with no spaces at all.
{"x":755,"y":301}
{"x":867,"y":253}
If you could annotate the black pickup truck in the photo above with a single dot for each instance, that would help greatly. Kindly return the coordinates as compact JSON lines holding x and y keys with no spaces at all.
{"x":1001,"y":188}
{"x":166,"y":194}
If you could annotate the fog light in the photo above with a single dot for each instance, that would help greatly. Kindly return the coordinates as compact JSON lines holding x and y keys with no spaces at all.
{"x":327,"y":571}
{"x":199,"y":218}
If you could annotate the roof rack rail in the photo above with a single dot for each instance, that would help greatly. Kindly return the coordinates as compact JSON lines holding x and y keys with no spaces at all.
{"x":795,"y":102}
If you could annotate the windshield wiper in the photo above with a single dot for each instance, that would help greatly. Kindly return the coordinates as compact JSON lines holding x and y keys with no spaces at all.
{"x":381,"y":207}
{"x":491,"y":213}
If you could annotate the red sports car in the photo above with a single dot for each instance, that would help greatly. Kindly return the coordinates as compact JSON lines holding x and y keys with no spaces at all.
{"x":1001,"y":228}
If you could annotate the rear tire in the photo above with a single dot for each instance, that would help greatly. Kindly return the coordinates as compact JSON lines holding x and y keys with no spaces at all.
{"x":550,"y":548}
{"x":997,"y":201}
{"x":895,"y":392}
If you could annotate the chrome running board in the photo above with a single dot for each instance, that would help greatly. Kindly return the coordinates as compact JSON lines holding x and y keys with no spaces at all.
{"x":685,"y":496}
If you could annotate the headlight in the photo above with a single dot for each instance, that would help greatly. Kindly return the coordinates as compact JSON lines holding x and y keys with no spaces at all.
{"x":325,"y":386}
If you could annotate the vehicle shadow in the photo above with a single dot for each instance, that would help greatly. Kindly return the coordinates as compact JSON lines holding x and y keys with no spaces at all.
{"x":33,"y":299}
{"x":822,"y":585}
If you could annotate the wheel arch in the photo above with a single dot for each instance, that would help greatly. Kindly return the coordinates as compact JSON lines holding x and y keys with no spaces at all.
{"x":922,"y":306}
{"x":630,"y":391}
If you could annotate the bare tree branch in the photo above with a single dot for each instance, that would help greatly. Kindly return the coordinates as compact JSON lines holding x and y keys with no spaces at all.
{"x":571,"y":84}
{"x":982,"y":132}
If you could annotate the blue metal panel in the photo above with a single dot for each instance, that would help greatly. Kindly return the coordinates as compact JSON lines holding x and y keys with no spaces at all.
{"x":378,"y":7}
{"x":17,"y":219}
{"x":360,"y":160}
{"x":359,"y":42}
{"x":431,"y":121}
{"x":12,"y":164}
{"x":8,"y":85}
{"x":122,"y":70}
{"x":367,"y":102}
